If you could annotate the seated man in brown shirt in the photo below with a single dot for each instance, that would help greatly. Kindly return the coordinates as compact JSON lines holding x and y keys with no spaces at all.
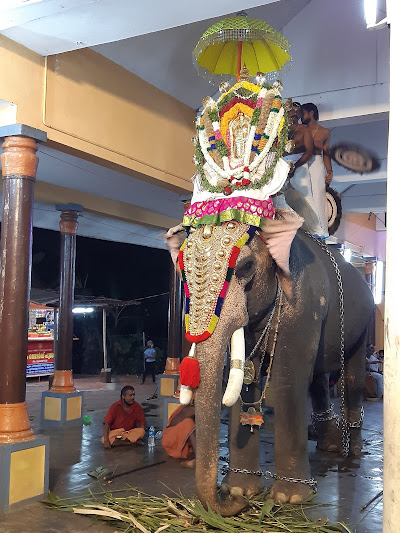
{"x":124,"y":421}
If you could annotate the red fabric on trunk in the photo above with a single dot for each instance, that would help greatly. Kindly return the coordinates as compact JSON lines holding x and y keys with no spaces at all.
{"x":190,"y":372}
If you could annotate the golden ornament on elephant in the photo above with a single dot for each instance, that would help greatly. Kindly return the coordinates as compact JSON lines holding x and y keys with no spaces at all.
{"x":249,"y":372}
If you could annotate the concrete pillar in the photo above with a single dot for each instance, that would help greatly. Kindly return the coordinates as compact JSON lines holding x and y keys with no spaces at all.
{"x":22,"y":455}
{"x":391,"y":418}
{"x":62,"y":403}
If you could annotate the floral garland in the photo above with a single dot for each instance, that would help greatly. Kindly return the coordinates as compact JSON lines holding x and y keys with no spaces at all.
{"x":263,"y":105}
{"x":265,"y":178}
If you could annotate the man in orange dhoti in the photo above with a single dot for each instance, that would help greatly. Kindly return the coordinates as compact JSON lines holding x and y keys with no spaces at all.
{"x":124,"y":421}
{"x":179,"y":437}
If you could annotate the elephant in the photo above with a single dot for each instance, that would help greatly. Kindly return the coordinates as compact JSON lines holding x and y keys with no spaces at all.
{"x":277,"y":258}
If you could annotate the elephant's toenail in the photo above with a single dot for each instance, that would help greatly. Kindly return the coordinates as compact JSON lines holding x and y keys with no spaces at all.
{"x":236,"y":491}
{"x":281,"y":498}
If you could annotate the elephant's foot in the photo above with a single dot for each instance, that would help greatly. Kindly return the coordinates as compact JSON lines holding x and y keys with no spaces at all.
{"x":247,"y":485}
{"x":329,"y":438}
{"x":355,"y":442}
{"x":289,"y":492}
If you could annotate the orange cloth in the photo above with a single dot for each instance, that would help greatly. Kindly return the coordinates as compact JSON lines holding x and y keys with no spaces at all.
{"x":175,"y":438}
{"x":133,"y":435}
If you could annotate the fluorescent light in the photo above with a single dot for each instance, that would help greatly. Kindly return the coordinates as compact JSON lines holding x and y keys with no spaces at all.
{"x":378,"y":283}
{"x":347,"y":254}
{"x":81,"y":310}
{"x":370,"y":11}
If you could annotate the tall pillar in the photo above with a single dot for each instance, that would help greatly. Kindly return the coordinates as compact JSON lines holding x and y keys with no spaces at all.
{"x":21,"y":453}
{"x":62,"y":403}
{"x":391,"y":403}
{"x":63,"y":379}
{"x":175,"y":314}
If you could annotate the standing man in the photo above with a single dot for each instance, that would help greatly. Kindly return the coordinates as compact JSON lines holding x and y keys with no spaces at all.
{"x":149,"y":361}
{"x":321,"y":166}
{"x":124,"y":420}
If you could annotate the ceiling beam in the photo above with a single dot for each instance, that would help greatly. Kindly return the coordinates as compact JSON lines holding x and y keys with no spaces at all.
{"x":53,"y":194}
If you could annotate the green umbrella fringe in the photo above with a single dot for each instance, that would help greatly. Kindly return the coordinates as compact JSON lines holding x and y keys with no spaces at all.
{"x":141,"y":512}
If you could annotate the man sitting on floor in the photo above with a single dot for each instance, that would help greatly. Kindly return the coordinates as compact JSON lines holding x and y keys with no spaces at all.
{"x":124,"y":422}
{"x":179,"y":437}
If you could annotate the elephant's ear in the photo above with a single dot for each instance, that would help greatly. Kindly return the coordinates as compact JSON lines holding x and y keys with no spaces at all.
{"x":174,"y":238}
{"x":278,"y":234}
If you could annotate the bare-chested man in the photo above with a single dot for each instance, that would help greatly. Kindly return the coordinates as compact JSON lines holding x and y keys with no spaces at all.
{"x":301,"y":136}
{"x":300,"y":177}
{"x":321,"y":165}
{"x":320,"y":136}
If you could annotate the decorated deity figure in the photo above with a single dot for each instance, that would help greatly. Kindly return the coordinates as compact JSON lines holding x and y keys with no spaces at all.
{"x":239,"y":130}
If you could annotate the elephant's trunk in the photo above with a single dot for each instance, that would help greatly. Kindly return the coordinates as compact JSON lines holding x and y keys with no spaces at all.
{"x":210,"y":354}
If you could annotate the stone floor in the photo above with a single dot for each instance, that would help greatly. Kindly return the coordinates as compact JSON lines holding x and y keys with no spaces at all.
{"x":346,"y":484}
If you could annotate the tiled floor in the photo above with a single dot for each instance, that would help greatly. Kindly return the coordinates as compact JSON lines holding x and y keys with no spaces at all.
{"x":346,"y":484}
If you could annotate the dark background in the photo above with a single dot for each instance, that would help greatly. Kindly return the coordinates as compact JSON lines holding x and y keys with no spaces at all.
{"x":113,"y":270}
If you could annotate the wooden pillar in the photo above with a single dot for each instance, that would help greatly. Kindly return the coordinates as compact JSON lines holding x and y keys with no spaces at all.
{"x":63,"y":379}
{"x":19,"y":166}
{"x":391,"y":395}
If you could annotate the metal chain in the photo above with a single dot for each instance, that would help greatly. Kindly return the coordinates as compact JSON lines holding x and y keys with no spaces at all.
{"x":359,"y":422}
{"x":269,"y":475}
{"x":265,"y":334}
{"x":342,"y":422}
{"x":324,"y":416}
{"x":271,"y":357}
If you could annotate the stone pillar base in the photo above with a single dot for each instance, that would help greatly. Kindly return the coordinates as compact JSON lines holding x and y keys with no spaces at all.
{"x":169,"y":406}
{"x":24,"y":468}
{"x":167,"y":384}
{"x":59,"y":409}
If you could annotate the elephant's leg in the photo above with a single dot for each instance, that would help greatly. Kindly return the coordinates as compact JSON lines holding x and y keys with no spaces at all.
{"x":244,"y":453}
{"x":324,"y":421}
{"x":291,"y":374}
{"x":355,"y":381}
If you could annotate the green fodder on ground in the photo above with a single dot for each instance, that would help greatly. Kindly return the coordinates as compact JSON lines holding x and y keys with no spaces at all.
{"x":139,"y":512}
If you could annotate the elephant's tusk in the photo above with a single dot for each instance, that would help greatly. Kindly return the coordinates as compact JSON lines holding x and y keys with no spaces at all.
{"x":185,"y":395}
{"x":236,"y":373}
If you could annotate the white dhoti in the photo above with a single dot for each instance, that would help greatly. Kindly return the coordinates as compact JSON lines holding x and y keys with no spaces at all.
{"x":304,"y":203}
{"x":317,"y":172}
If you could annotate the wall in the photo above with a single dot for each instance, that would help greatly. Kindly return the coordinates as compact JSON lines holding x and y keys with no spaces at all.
{"x":359,"y":230}
{"x":93,"y":108}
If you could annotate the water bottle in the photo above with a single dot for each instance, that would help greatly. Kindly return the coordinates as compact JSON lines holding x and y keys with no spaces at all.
{"x":151,"y":441}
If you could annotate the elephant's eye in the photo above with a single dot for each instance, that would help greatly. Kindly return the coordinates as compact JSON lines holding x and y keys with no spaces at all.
{"x":244,"y":269}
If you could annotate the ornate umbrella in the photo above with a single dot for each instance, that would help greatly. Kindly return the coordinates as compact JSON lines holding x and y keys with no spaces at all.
{"x":236,"y":41}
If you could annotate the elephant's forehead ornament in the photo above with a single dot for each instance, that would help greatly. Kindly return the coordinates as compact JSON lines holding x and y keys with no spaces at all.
{"x":207,"y":266}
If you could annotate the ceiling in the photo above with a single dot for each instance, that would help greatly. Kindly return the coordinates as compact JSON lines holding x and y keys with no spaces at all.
{"x":337,"y":64}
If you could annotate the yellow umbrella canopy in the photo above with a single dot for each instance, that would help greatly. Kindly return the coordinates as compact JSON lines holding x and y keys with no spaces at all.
{"x":236,"y":41}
